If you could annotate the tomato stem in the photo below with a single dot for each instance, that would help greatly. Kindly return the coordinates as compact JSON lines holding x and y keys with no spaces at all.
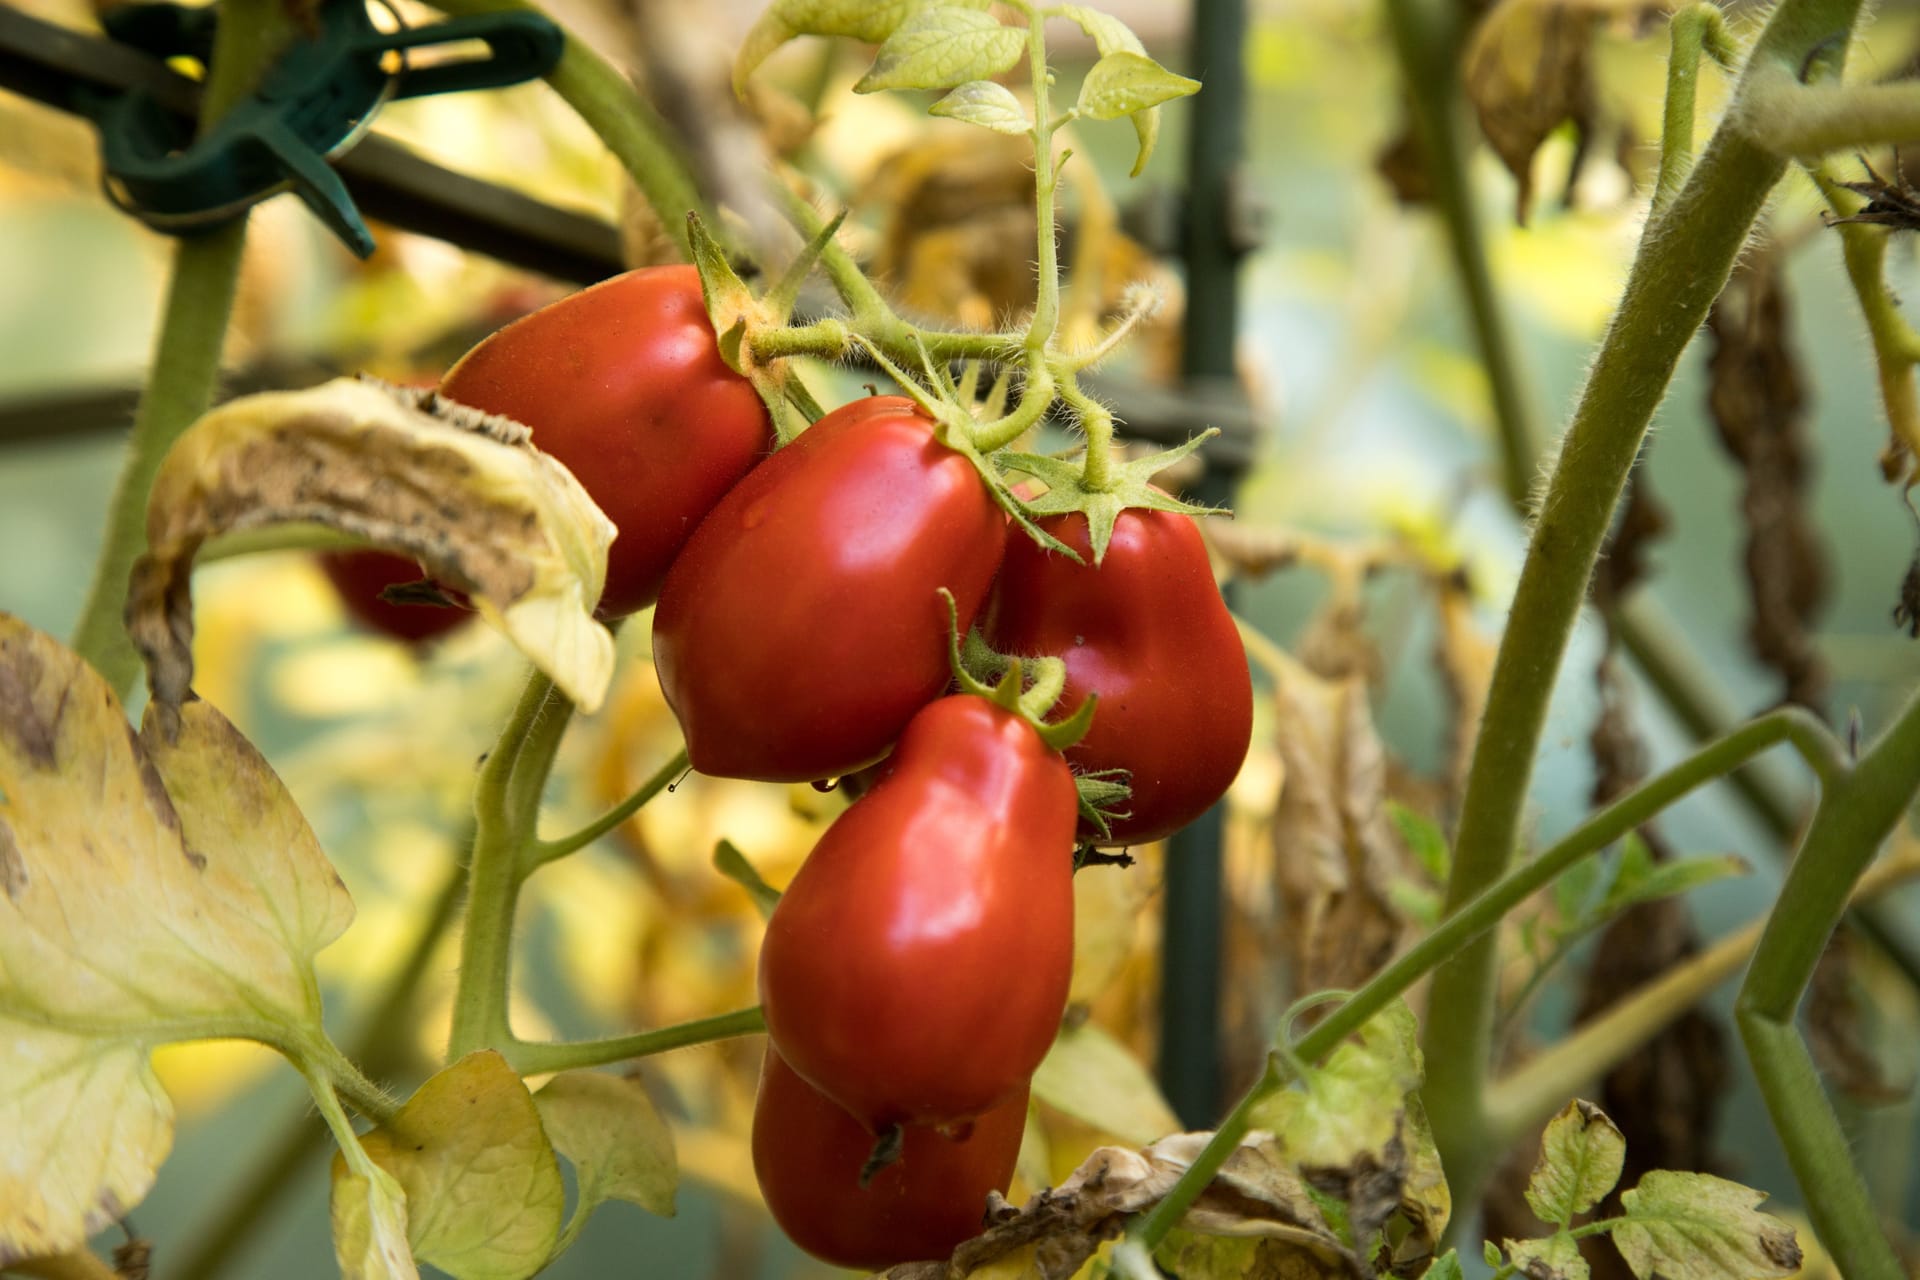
{"x":542,"y":852}
{"x":538,"y":1059}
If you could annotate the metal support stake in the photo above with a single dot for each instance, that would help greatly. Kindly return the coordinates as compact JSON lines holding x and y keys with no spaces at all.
{"x":1213,"y":240}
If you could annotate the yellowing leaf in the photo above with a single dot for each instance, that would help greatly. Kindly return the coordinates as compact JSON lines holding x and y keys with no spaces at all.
{"x":1090,"y":1076}
{"x":941,"y":46}
{"x":1124,"y":82}
{"x":465,"y":494}
{"x":1694,"y":1226}
{"x":869,"y":20}
{"x":153,"y":888}
{"x":1528,"y":70}
{"x":985,"y":103}
{"x":483,"y":1189}
{"x":1110,"y":35}
{"x":369,"y":1215}
{"x":1555,"y":1258}
{"x":1581,"y":1155}
{"x":620,"y":1147}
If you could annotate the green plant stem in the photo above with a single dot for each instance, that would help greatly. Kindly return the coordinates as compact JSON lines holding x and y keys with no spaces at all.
{"x":546,"y":851}
{"x":611,"y":105}
{"x":379,"y":1048}
{"x":537,"y":1059}
{"x":1523,"y":1100}
{"x":1046,"y":307}
{"x":1696,"y":29}
{"x":1807,"y":121}
{"x":1682,"y":263}
{"x":1896,"y":346}
{"x":506,"y":803}
{"x":1428,"y":36}
{"x":186,"y":358}
{"x":1791,"y":725}
{"x":1854,"y":817}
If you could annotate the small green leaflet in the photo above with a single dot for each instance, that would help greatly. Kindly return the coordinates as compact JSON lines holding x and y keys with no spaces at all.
{"x":1110,"y":36}
{"x":619,"y":1146}
{"x":1581,"y":1155}
{"x":1122,"y":83}
{"x":1424,"y":839}
{"x":941,"y":46}
{"x":1694,"y":1226}
{"x":985,"y":103}
{"x":1445,"y":1267}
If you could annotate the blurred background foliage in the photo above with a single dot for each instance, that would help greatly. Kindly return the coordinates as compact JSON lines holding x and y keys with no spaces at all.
{"x":1373,"y":535}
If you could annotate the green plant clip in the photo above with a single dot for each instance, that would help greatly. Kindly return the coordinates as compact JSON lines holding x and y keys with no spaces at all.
{"x":315,"y":103}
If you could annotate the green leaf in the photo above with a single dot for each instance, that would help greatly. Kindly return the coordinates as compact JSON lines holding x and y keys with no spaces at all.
{"x":1354,"y":1106}
{"x":868,"y":20}
{"x":1581,"y":1155}
{"x":985,"y":103}
{"x":1445,"y":1267}
{"x":152,"y":888}
{"x":1694,"y":1226}
{"x":1130,"y":486}
{"x":1641,"y":879}
{"x":483,"y":1188}
{"x":1424,"y":839}
{"x":1490,"y":1254}
{"x":1124,"y":82}
{"x":370,"y":1227}
{"x":941,"y":46}
{"x":1555,"y":1258}
{"x":1090,"y":1076}
{"x":733,"y":864}
{"x":619,"y":1146}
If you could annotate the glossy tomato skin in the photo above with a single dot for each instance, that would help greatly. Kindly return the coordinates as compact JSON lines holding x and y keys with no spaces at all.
{"x":917,"y":967}
{"x":1149,"y":632}
{"x":807,"y":1156}
{"x":359,"y":577}
{"x":801,"y":627}
{"x":623,"y":383}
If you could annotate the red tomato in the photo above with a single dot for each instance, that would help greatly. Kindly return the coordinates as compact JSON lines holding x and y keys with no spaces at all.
{"x":801,"y":627}
{"x":624,"y":385}
{"x":360,"y":576}
{"x":807,"y":1155}
{"x":1147,"y":630}
{"x":916,"y":969}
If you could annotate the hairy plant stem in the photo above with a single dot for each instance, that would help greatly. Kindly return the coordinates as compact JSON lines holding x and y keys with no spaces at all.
{"x":1856,"y":814}
{"x":1695,"y":30}
{"x":1477,"y":918}
{"x":545,"y":851}
{"x":537,"y":1059}
{"x":1046,"y":172}
{"x":380,"y":1049}
{"x":506,"y":810}
{"x":609,"y":103}
{"x":186,"y":358}
{"x":1428,"y":36}
{"x":1683,"y":261}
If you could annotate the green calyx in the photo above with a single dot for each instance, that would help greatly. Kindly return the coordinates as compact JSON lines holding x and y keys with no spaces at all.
{"x":1128,"y":484}
{"x":1028,"y":687}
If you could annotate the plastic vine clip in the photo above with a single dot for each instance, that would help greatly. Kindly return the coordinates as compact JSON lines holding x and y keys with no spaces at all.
{"x":314,"y":103}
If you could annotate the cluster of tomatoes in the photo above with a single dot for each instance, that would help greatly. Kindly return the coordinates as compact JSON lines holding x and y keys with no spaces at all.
{"x":916,"y":970}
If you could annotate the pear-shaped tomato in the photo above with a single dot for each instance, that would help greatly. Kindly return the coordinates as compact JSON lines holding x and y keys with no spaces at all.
{"x":802,"y":625}
{"x":1147,"y":631}
{"x":916,"y":969}
{"x":808,"y":1154}
{"x":624,"y":384}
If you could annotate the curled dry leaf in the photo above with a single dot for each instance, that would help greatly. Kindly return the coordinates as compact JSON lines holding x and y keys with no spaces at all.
{"x":1336,"y":853}
{"x":153,"y":888}
{"x":462,"y":492}
{"x":1255,"y":1194}
{"x":1528,"y":69}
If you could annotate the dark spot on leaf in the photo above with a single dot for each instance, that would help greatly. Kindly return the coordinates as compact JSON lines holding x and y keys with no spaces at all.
{"x":13,"y":867}
{"x":21,"y":673}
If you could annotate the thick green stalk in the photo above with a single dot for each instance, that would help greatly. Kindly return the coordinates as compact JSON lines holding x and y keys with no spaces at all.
{"x":1683,"y":262}
{"x":610,"y":104}
{"x":1046,"y":307}
{"x":186,"y":358}
{"x":1853,"y":820}
{"x":546,"y":851}
{"x":506,"y":810}
{"x":1479,"y":917}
